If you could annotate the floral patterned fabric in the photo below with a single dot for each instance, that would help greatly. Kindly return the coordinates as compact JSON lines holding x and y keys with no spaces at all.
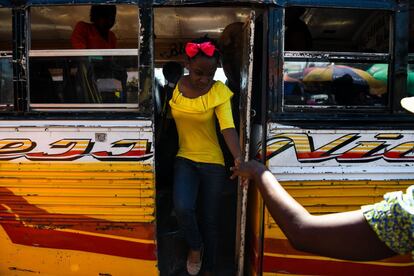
{"x":393,"y":220}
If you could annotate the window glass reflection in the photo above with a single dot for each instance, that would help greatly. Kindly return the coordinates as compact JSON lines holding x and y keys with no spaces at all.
{"x":335,"y":84}
{"x":410,"y":77}
{"x":6,"y":69}
{"x":86,"y":79}
{"x":6,"y":83}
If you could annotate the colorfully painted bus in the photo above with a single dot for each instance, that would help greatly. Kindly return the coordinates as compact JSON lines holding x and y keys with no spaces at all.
{"x":317,"y":100}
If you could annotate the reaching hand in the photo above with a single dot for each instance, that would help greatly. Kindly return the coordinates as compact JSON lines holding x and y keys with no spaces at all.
{"x":248,"y":170}
{"x":237,"y":161}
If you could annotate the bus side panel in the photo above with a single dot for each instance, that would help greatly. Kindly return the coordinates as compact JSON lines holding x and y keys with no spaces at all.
{"x":77,"y":200}
{"x":330,"y":171}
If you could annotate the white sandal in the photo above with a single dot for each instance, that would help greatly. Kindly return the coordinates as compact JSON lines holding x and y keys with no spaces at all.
{"x":194,"y":268}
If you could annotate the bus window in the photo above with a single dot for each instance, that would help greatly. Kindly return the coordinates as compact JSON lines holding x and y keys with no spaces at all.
{"x":335,"y":58}
{"x":6,"y":69}
{"x":72,"y":66}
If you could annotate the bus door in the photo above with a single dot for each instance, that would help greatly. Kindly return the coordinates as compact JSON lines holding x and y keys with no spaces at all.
{"x":246,"y":84}
{"x":192,"y":23}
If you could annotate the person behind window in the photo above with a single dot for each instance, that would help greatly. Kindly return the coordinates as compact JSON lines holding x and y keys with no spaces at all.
{"x":231,"y":47}
{"x":297,"y":34}
{"x":97,"y":34}
{"x":199,"y":171}
{"x":172,"y":72}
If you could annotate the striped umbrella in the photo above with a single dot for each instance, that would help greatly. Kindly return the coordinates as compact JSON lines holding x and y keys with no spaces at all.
{"x":359,"y":77}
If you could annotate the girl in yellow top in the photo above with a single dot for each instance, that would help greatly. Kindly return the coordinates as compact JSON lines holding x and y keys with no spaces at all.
{"x":199,"y":167}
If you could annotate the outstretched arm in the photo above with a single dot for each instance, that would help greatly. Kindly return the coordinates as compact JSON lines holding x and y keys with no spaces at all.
{"x":341,"y":235}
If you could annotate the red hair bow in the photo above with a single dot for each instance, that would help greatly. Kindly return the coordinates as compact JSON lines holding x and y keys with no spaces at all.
{"x":192,"y":49}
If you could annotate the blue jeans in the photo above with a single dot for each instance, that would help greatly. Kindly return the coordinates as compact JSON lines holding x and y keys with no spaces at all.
{"x":203,"y":181}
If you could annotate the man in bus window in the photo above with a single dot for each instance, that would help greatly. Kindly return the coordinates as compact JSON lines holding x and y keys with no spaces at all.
{"x":105,"y":81}
{"x":98,"y":34}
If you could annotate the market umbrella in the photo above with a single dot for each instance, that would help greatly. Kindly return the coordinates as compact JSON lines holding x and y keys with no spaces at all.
{"x":380,"y":72}
{"x":359,"y":77}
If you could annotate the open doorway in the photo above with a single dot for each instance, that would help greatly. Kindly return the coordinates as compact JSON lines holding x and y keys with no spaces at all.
{"x":174,"y":27}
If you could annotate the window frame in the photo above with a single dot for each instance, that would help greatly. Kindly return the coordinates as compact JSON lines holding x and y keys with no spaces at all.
{"x":143,"y":53}
{"x":277,"y":111}
{"x":5,"y":107}
{"x":8,"y":54}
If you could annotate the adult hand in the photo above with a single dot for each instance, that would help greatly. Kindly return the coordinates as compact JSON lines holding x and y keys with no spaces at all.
{"x":249,"y":170}
{"x":237,"y":162}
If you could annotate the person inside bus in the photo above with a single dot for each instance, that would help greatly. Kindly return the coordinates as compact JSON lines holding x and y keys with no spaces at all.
{"x":231,"y":47}
{"x":97,"y":34}
{"x":374,"y":232}
{"x":166,"y":138}
{"x":346,"y":92}
{"x":297,"y":34}
{"x":199,"y":172}
{"x":172,"y":72}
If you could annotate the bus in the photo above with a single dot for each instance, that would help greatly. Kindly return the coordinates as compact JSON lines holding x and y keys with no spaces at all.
{"x":317,"y":100}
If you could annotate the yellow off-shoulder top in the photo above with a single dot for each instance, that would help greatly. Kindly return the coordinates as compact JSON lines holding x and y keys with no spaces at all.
{"x":195,"y":121}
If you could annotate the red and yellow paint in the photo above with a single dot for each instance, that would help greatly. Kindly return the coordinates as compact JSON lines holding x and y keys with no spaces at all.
{"x":346,"y":148}
{"x":73,"y":149}
{"x":73,"y":218}
{"x":270,"y":251}
{"x":321,"y":197}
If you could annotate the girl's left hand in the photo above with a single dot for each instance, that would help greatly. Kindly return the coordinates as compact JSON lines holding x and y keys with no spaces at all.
{"x":238,"y":162}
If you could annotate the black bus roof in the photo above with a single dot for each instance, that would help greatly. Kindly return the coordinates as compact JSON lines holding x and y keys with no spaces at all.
{"x":371,"y":4}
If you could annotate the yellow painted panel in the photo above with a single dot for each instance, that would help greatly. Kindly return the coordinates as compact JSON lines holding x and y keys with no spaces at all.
{"x":83,"y":192}
{"x":331,"y":209}
{"x":46,"y":220}
{"x":24,"y":260}
{"x":76,"y":183}
{"x":78,"y":174}
{"x":76,"y":166}
{"x":344,"y":183}
{"x":110,"y":191}
{"x":341,"y":191}
{"x":274,"y":232}
{"x":87,"y":201}
{"x":90,"y":211}
{"x":339,"y":200}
